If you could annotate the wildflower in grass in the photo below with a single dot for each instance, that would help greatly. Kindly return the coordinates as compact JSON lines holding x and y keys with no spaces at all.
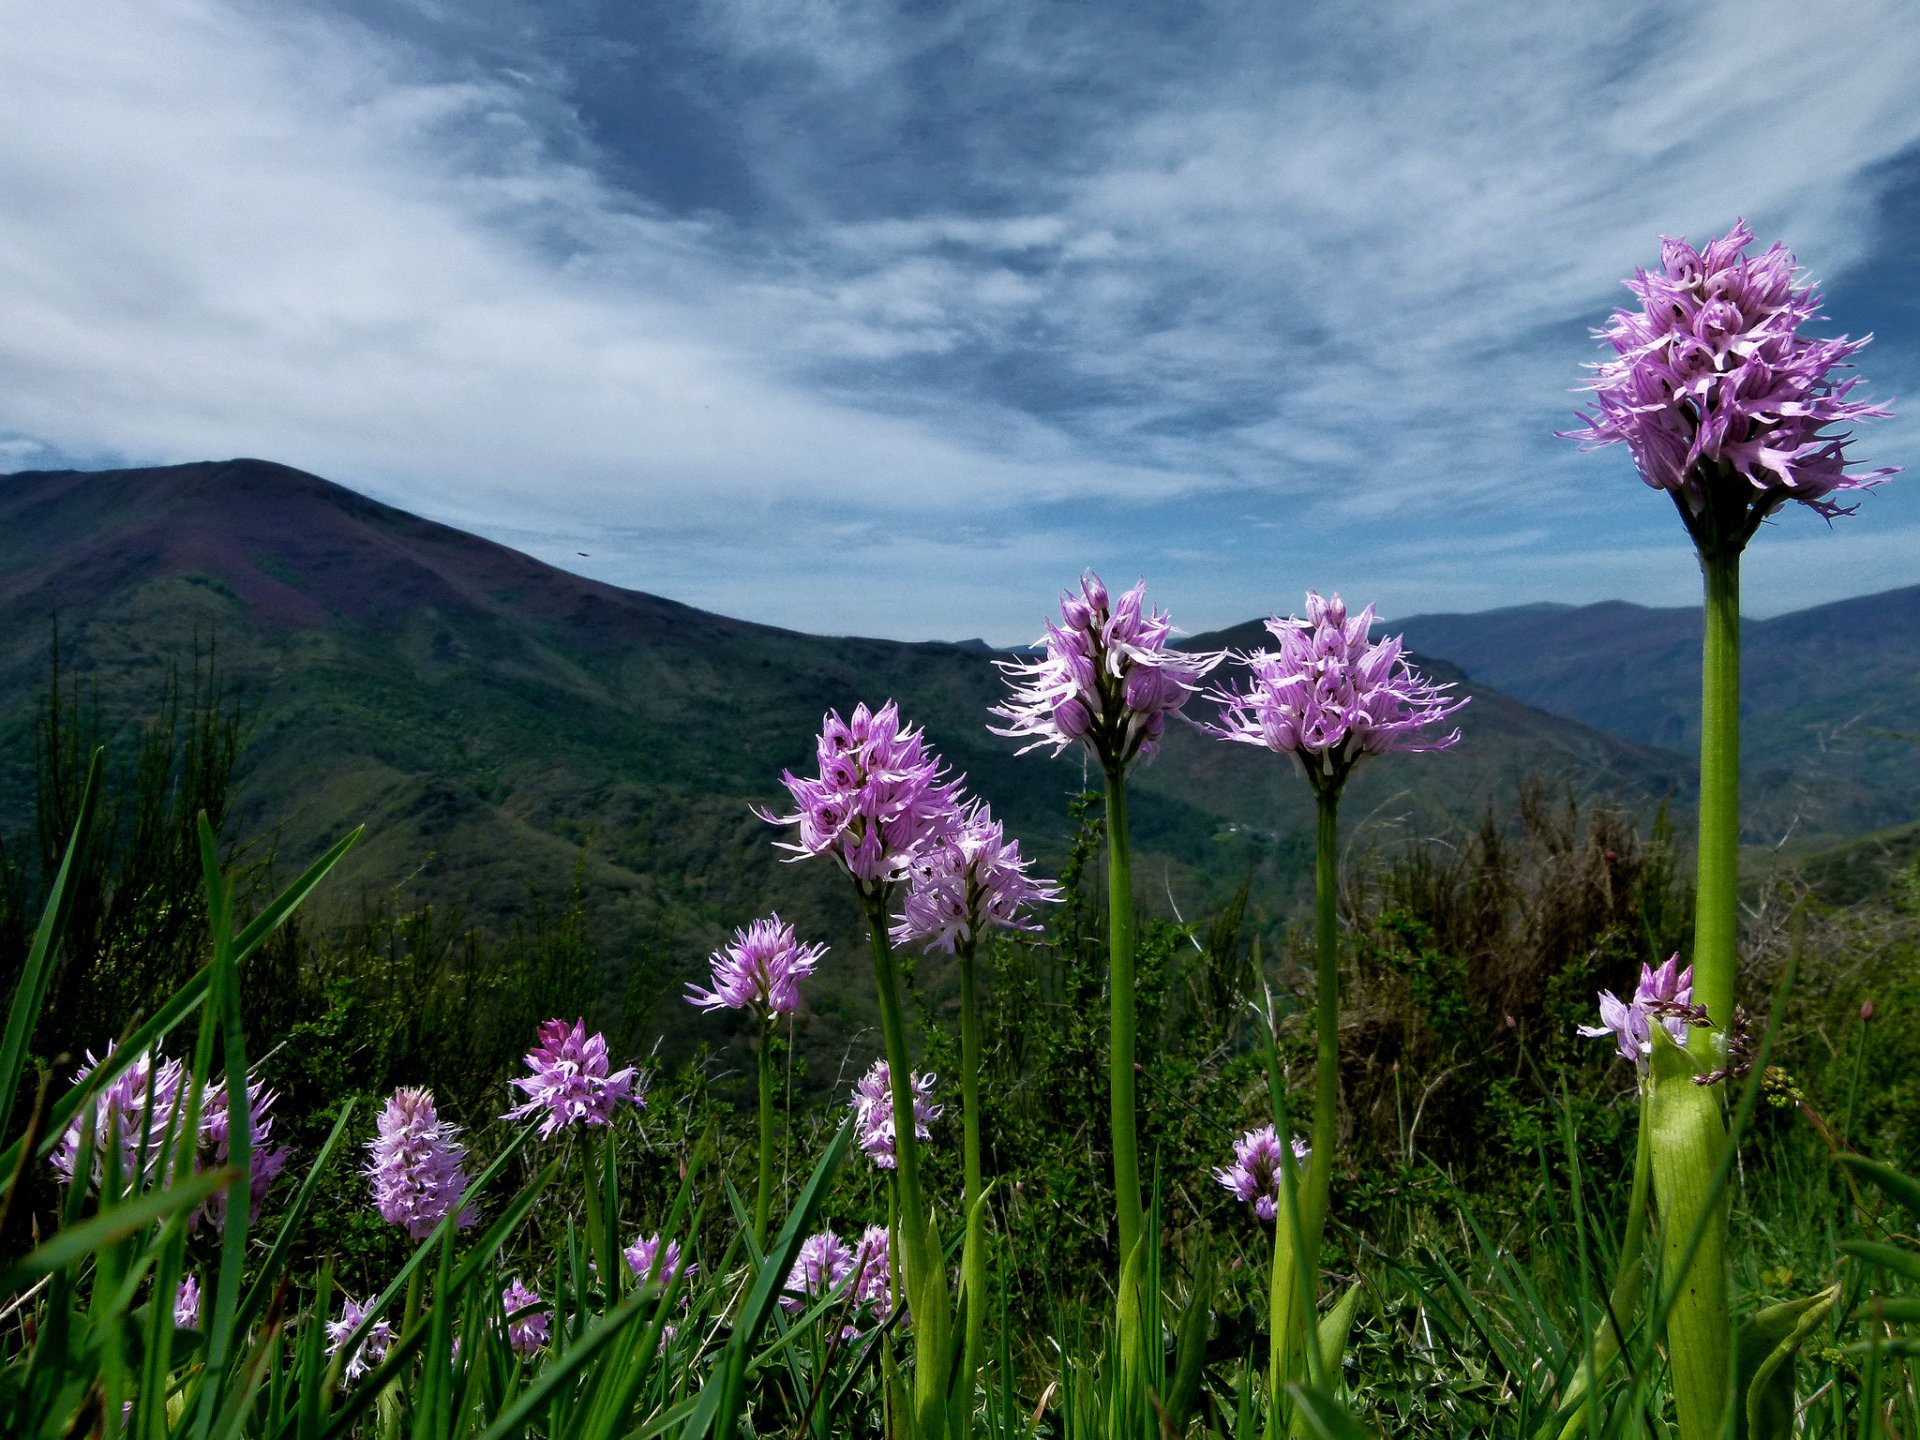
{"x":186,"y":1304}
{"x":872,"y":1283}
{"x":1107,"y":680}
{"x":872,"y":1105}
{"x":416,"y":1166}
{"x":372,"y":1348}
{"x":1254,"y":1177}
{"x":878,"y":799}
{"x":1329,"y":695}
{"x":265,"y":1161}
{"x":966,"y":880}
{"x":1719,"y":397}
{"x":823,"y":1267}
{"x":527,"y":1332}
{"x":760,"y":971}
{"x":1663,"y":997}
{"x":642,"y":1253}
{"x":570,"y":1081}
{"x":139,"y":1105}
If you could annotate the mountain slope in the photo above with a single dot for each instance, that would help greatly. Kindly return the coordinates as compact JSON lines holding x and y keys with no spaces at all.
{"x":1827,"y":694}
{"x":488,"y":716}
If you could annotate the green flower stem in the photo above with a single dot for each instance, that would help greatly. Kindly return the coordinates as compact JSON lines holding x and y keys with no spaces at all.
{"x":973,"y":1253}
{"x":1296,"y":1272}
{"x":1716,"y":909}
{"x":1126,"y":1144}
{"x":926,"y":1276}
{"x":763,"y":1200}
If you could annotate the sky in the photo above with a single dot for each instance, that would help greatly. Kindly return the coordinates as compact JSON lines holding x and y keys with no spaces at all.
{"x":889,"y":319}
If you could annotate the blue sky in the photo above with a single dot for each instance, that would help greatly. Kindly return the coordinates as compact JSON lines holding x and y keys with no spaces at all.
{"x":888,"y":319}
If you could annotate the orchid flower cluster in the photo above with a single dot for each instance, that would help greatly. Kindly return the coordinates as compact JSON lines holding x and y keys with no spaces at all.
{"x":872,"y":1106}
{"x":569,"y":1080}
{"x":529,"y":1320}
{"x":1330,"y":695}
{"x":1107,"y":680}
{"x":415,"y":1166}
{"x":861,"y":1273}
{"x":879,"y":798}
{"x":373,"y":1345}
{"x":1255,"y":1175}
{"x":1664,"y":997}
{"x":144,"y":1105}
{"x":968,"y":878}
{"x":760,"y":971}
{"x":1719,"y":398}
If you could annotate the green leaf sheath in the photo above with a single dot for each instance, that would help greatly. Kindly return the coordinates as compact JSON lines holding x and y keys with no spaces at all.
{"x":1716,"y":912}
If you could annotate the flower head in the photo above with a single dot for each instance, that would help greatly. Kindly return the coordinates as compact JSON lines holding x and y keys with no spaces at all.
{"x":139,"y":1105}
{"x":873,"y":1272}
{"x":525,"y":1332}
{"x":371,"y":1349}
{"x":1721,"y":400}
{"x":265,"y":1160}
{"x":186,"y":1304}
{"x":872,"y":1105}
{"x":415,"y":1166}
{"x":823,"y":1265}
{"x":642,"y":1254}
{"x":972,"y":878}
{"x":1107,"y":680}
{"x":879,"y":798}
{"x":760,"y":971}
{"x":569,"y":1079}
{"x":1327,"y":696}
{"x":1255,"y":1173}
{"x":1664,"y":996}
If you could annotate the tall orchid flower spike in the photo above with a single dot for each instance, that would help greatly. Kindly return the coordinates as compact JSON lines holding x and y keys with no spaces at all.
{"x":1328,"y":696}
{"x":872,"y":1106}
{"x":1726,"y":404}
{"x":1664,"y":997}
{"x":1255,"y":1175}
{"x":568,"y":1079}
{"x":880,"y":802}
{"x":760,"y":972}
{"x":415,"y":1165}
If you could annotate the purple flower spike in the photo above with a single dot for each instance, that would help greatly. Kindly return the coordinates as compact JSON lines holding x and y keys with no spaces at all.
{"x":372,"y":1348}
{"x":1328,"y":697}
{"x":1720,"y":399}
{"x":642,"y":1253}
{"x":878,"y":800}
{"x":570,"y":1080}
{"x":972,"y":878}
{"x":416,"y":1174}
{"x":530,"y":1331}
{"x":147,"y":1093}
{"x":1254,"y":1176}
{"x":267,"y":1160}
{"x":872,"y":1105}
{"x":1664,"y":995}
{"x":186,"y":1304}
{"x":1108,"y":680}
{"x":822,"y":1267}
{"x":873,"y":1273}
{"x":760,"y":971}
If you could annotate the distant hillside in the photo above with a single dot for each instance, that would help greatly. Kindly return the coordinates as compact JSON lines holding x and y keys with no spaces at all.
{"x":486,"y":714}
{"x":1829,"y":695}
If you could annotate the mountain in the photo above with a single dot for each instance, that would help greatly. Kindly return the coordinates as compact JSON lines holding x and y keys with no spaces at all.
{"x":495,"y":721}
{"x":1828,"y":695}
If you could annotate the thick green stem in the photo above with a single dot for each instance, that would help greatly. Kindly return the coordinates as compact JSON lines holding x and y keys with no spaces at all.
{"x":1296,"y":1273}
{"x":925,"y":1281}
{"x":1126,"y":1144}
{"x":973,"y":1254}
{"x":763,"y":1200}
{"x":1716,"y":903}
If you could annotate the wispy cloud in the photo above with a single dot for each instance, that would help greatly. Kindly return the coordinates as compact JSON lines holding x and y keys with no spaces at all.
{"x":881,"y":320}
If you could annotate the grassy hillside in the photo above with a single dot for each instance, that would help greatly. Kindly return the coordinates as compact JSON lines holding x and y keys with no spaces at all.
{"x":494,"y":720}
